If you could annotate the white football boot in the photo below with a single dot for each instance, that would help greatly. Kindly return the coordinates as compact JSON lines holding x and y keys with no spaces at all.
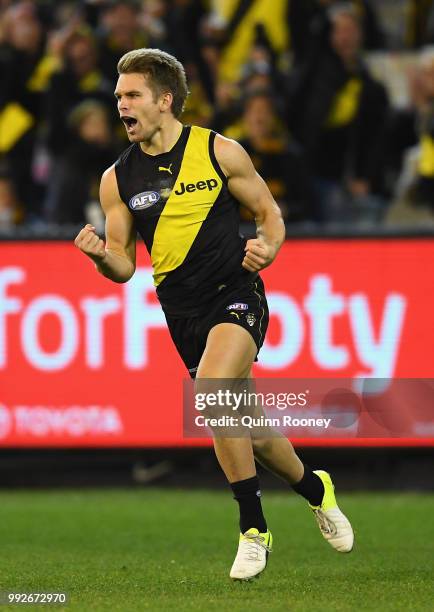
{"x":333,"y":524}
{"x":251,"y":559}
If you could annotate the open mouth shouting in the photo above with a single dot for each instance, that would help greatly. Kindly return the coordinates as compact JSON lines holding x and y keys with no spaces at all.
{"x":129,"y":122}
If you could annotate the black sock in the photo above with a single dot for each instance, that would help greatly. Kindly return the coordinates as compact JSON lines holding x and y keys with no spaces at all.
{"x":248,"y":496}
{"x":310,"y":487}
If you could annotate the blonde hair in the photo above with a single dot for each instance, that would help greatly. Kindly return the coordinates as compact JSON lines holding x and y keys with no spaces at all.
{"x":163,"y":72}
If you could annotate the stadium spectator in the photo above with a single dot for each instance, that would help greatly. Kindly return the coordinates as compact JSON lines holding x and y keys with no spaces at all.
{"x":424,"y":188}
{"x":257,"y":73}
{"x":25,"y":71}
{"x":227,"y":109}
{"x":414,"y":201}
{"x":420,"y":23}
{"x":79,"y":79}
{"x":10,"y":210}
{"x":402,"y":133}
{"x":236,"y":24}
{"x":260,"y":69}
{"x":119,"y":31}
{"x":338,"y":112}
{"x":407,"y":24}
{"x":198,"y":110}
{"x":309,"y":24}
{"x":193,"y":41}
{"x":54,"y":55}
{"x":277,"y":160}
{"x":87,"y":151}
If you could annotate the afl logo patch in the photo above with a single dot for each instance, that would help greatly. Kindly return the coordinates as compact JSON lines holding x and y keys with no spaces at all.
{"x":237,"y":306}
{"x":144,"y":200}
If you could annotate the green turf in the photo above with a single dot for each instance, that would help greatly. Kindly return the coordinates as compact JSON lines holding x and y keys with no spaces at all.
{"x":171,"y":550}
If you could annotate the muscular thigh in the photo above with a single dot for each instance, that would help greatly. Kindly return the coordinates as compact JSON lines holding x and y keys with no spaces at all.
{"x":224,"y":340}
{"x":229,"y":353}
{"x":234,"y":331}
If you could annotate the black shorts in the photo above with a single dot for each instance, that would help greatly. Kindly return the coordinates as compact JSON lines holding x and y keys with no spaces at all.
{"x":245,"y":306}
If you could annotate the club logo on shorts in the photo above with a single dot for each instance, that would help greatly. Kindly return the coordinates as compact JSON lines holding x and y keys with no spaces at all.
{"x":237,"y":306}
{"x":144,"y":200}
{"x":250,"y":318}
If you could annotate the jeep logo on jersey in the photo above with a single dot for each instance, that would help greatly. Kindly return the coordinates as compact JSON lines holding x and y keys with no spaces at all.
{"x":144,"y":200}
{"x":210,"y":184}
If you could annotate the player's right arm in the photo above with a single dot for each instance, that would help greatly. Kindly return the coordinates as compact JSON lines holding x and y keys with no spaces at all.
{"x":116,"y":259}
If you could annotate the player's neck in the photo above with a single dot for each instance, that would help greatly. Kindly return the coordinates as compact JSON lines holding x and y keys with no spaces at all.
{"x":163,"y":139}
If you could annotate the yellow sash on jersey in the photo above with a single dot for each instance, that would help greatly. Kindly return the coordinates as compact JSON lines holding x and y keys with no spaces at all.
{"x":426,"y":160}
{"x":183,"y":215}
{"x":43,"y":72}
{"x":274,"y":20}
{"x":90,"y":82}
{"x":15,"y":121}
{"x":345,"y":104}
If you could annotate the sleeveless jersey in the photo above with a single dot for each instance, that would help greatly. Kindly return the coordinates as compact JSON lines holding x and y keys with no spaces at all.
{"x":188,"y":219}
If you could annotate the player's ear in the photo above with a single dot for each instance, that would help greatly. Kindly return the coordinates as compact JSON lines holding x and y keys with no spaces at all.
{"x":166,"y":100}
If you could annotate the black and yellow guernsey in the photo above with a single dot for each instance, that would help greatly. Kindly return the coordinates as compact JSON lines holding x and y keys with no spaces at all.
{"x":188,"y":219}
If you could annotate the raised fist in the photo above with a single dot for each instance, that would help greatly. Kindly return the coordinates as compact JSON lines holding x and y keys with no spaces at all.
{"x":90,"y":243}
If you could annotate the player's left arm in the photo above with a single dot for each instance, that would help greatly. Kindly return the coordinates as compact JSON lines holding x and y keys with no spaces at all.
{"x":250,"y":190}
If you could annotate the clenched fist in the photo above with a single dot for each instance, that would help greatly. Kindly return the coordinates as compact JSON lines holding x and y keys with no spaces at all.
{"x":259,"y":255}
{"x":90,"y":243}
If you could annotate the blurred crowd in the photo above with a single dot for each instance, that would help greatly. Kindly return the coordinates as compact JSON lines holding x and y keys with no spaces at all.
{"x":289,"y":79}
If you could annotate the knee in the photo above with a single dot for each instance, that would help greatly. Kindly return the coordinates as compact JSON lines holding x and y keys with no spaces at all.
{"x":261,"y":446}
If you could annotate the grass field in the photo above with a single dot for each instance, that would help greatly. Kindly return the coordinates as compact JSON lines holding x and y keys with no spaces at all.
{"x":158,"y":549}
